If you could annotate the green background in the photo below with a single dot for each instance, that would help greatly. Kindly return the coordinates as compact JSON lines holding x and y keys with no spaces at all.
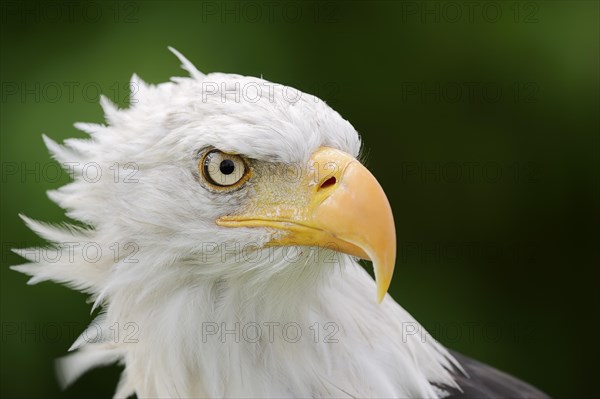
{"x":481,"y":127}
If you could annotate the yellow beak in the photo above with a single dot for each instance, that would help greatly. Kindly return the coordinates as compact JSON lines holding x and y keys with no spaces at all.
{"x":336,"y":204}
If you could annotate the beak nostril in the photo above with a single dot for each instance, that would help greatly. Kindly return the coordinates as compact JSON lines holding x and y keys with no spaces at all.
{"x":329,"y":182}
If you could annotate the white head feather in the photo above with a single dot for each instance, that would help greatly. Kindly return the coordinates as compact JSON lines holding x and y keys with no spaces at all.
{"x":164,"y":288}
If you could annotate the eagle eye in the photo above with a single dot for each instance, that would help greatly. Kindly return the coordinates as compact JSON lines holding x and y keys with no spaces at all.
{"x":222,"y":170}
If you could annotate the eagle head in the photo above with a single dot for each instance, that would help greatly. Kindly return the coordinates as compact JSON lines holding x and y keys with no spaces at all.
{"x":219,"y":199}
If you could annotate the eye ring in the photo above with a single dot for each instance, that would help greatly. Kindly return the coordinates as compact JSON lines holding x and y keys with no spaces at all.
{"x":223,"y":171}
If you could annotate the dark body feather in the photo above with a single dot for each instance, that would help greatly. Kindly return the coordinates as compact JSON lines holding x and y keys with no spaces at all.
{"x":483,"y":381}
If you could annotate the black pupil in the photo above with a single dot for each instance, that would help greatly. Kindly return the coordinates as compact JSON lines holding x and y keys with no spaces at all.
{"x":227,"y":167}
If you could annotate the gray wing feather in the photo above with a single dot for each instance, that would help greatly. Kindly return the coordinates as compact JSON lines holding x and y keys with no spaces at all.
{"x":483,"y":381}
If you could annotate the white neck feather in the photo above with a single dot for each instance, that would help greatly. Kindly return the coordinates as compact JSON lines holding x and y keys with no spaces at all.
{"x":190,"y":335}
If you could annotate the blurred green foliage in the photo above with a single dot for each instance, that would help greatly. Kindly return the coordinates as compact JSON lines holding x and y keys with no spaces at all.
{"x":480,"y":119}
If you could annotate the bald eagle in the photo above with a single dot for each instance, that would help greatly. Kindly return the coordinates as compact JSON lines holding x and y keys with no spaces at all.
{"x":220,"y":223}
